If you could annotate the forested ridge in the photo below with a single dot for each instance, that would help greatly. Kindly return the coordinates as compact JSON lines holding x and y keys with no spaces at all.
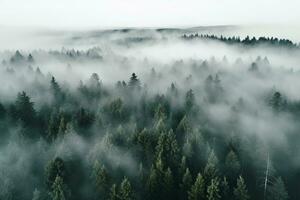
{"x":247,"y":41}
{"x":190,"y":129}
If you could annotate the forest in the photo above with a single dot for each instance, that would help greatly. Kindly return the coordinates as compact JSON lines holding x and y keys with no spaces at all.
{"x":115,"y":122}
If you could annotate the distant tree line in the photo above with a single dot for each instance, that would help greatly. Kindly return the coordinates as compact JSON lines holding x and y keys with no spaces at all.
{"x":247,"y":41}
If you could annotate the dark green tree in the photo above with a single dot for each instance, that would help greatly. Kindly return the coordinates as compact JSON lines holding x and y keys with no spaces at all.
{"x":225,"y":189}
{"x":211,"y":169}
{"x":213,"y":191}
{"x":59,"y":190}
{"x":240,"y":192}
{"x":134,"y":81}
{"x":232,"y":165}
{"x":113,"y":195}
{"x":167,"y":149}
{"x":55,"y":168}
{"x":126,"y":191}
{"x":101,"y":179}
{"x":197,"y":191}
{"x":25,"y":110}
{"x":278,"y":190}
{"x":186,"y":184}
{"x":168,"y":184}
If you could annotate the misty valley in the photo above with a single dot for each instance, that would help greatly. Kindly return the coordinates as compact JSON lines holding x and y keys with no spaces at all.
{"x":189,"y":114}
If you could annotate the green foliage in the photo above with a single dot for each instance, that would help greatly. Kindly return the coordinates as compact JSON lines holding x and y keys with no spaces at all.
{"x":211,"y":169}
{"x":113,"y":195}
{"x":240,"y":191}
{"x":278,"y":190}
{"x":126,"y":192}
{"x":55,"y":168}
{"x":225,"y":189}
{"x":24,"y":109}
{"x":167,"y":149}
{"x":168,"y":184}
{"x":197,"y":191}
{"x":232,"y":165}
{"x":101,"y":179}
{"x":59,"y":190}
{"x":213,"y":191}
{"x":186,"y":184}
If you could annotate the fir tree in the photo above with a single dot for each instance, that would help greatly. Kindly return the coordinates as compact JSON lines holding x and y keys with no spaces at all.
{"x":101,"y":179}
{"x":197,"y":191}
{"x":59,"y":190}
{"x":240,"y":191}
{"x":278,"y":190}
{"x":113,"y":195}
{"x":126,"y":192}
{"x":213,"y":191}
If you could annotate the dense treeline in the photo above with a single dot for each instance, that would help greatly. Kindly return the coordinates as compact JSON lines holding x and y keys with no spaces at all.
{"x":126,"y":140}
{"x":247,"y":41}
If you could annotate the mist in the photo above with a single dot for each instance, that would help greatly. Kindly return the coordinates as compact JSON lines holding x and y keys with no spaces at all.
{"x":107,"y":107}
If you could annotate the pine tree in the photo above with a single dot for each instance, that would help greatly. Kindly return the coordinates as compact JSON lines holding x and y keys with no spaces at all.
{"x":55,"y":168}
{"x":197,"y":191}
{"x":210,"y":170}
{"x":155,"y":179}
{"x":113,"y":195}
{"x":126,"y":192}
{"x":213,"y":191}
{"x":56,"y":92}
{"x":62,"y":127}
{"x":190,"y":102}
{"x":53,"y":126}
{"x":278,"y":191}
{"x":134,"y":81}
{"x":101,"y":179}
{"x":59,"y":190}
{"x":183,"y":129}
{"x":225,"y":190}
{"x":168,"y":184}
{"x":30,"y":58}
{"x":25,"y":110}
{"x":182,"y":166}
{"x":232,"y":165}
{"x":240,"y":191}
{"x":167,"y":149}
{"x":186,"y":183}
{"x":277,"y":102}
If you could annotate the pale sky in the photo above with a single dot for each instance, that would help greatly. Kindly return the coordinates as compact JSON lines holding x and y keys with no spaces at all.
{"x":146,"y":13}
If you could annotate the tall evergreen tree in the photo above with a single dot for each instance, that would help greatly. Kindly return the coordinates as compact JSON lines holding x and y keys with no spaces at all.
{"x":278,"y":190}
{"x":211,"y":170}
{"x":213,"y":191}
{"x":113,"y":195}
{"x":167,"y":149}
{"x":232,"y":165}
{"x":134,"y":81}
{"x":126,"y":192}
{"x":240,"y":191}
{"x":25,"y":110}
{"x":168,"y":184}
{"x":55,"y":168}
{"x":197,"y":191}
{"x":59,"y":190}
{"x":186,"y":184}
{"x":101,"y":179}
{"x":225,"y":190}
